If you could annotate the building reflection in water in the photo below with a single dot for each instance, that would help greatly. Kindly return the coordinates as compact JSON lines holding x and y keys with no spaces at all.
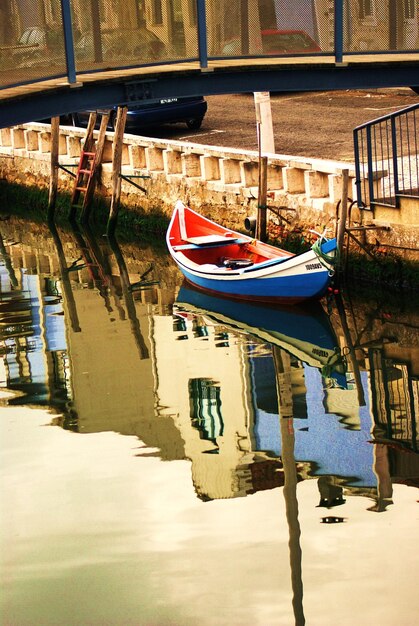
{"x":105,"y":337}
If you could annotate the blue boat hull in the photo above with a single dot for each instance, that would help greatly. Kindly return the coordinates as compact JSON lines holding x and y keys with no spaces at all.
{"x":284,"y":289}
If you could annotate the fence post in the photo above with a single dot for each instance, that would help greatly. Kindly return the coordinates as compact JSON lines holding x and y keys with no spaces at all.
{"x":338,"y":25}
{"x":395,"y":164}
{"x":202,"y":34}
{"x":370,"y":166}
{"x":68,"y":41}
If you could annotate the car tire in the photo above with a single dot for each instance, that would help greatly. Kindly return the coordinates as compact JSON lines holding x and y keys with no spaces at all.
{"x":195,"y":123}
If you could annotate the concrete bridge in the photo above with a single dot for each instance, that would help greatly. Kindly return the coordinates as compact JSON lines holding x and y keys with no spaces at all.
{"x":66,"y":55}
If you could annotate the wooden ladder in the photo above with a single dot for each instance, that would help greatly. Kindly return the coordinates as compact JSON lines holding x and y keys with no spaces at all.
{"x":90,"y":160}
{"x":84,"y":184}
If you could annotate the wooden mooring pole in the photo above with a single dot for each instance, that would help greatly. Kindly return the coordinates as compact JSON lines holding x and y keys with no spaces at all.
{"x":100,"y":144}
{"x":266,"y":144}
{"x":341,"y":225}
{"x":53,"y":184}
{"x":116,"y":167}
{"x":261,"y":222}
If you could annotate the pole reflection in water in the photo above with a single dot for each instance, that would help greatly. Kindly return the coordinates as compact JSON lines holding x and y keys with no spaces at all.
{"x":65,"y":270}
{"x":255,"y":398}
{"x":128,"y":298}
{"x":284,"y":390}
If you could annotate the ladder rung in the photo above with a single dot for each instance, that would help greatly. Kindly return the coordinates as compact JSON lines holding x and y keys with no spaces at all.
{"x":81,"y":188}
{"x":92,"y":154}
{"x":85,"y":171}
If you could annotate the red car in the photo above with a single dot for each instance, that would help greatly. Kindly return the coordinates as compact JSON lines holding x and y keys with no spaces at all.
{"x":287,"y":42}
{"x":276,"y":41}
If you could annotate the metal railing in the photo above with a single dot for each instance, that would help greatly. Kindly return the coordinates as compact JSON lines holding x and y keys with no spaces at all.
{"x":66,"y":38}
{"x":386,"y":158}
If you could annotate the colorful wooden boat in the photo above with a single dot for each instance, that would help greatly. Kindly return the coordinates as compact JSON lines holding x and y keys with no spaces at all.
{"x":227,"y":263}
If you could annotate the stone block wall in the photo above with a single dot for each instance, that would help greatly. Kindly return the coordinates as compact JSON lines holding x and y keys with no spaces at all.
{"x":219,"y":182}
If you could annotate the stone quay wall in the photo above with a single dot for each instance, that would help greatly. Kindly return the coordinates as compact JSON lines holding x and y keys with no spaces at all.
{"x":222,"y":183}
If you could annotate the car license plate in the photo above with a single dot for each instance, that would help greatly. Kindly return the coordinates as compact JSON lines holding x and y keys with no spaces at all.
{"x":168,"y":100}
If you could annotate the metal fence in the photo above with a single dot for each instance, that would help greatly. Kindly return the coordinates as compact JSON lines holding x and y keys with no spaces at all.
{"x":386,"y":158}
{"x":50,"y":38}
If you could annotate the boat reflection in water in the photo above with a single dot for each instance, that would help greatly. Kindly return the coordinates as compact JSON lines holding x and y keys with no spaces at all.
{"x":290,"y":366}
{"x":304,"y":331}
{"x":274,"y":385}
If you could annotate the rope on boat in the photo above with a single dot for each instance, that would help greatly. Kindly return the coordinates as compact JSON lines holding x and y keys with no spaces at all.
{"x":329,"y":261}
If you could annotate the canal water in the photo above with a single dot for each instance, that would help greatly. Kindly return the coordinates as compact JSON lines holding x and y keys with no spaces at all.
{"x":170,"y":458}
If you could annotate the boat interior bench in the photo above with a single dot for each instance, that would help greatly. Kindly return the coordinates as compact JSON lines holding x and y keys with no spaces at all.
{"x":208,"y":241}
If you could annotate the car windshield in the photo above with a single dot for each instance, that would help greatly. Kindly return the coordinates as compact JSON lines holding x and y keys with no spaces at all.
{"x":32,"y":37}
{"x":277,"y":42}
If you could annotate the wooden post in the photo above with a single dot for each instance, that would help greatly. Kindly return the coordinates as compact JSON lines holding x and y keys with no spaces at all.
{"x":341,"y":226}
{"x":100,"y":144}
{"x":116,"y":167}
{"x":266,"y":144}
{"x":53,"y":184}
{"x":262,"y":199}
{"x":88,"y":146}
{"x":89,"y":139}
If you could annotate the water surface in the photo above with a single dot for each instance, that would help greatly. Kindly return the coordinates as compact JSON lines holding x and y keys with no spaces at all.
{"x":169,"y":458}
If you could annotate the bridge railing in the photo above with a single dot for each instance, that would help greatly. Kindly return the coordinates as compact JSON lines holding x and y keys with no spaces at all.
{"x":66,"y":38}
{"x":388,"y":144}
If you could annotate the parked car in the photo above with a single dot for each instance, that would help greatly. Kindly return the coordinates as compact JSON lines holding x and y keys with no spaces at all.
{"x":287,"y":42}
{"x":276,"y":41}
{"x":190,"y":110}
{"x":38,"y":47}
{"x":133,"y":45}
{"x":35,"y":46}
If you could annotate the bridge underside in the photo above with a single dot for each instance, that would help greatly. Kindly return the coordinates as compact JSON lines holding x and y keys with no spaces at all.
{"x":101,"y":90}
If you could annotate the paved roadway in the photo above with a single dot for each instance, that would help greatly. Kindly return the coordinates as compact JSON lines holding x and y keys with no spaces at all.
{"x":311,"y":124}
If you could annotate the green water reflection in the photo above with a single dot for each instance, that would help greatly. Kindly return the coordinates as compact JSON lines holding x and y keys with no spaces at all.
{"x":172,"y":458}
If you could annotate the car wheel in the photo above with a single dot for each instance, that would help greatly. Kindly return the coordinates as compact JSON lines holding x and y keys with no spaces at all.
{"x":195,"y":123}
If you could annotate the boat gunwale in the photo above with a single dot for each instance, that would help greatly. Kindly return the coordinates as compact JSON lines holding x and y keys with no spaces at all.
{"x":269,"y":265}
